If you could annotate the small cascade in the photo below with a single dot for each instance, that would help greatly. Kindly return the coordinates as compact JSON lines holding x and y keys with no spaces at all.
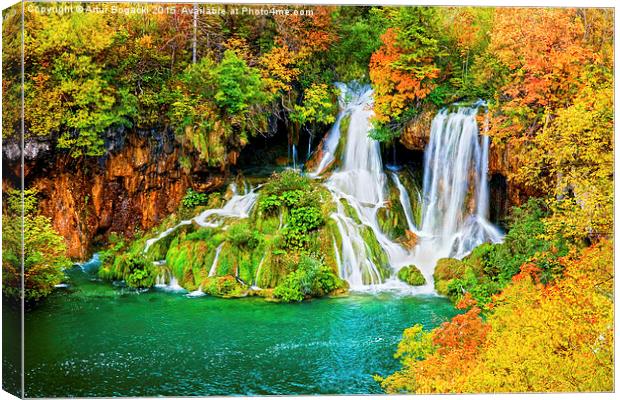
{"x":197,"y":293}
{"x":239,"y":206}
{"x":405,"y":201}
{"x":351,"y":96}
{"x":455,"y":198}
{"x":257,"y":276}
{"x":294,"y":157}
{"x":165,"y":280}
{"x":309,"y":151}
{"x":456,"y":193}
{"x":91,"y":266}
{"x":213,"y":270}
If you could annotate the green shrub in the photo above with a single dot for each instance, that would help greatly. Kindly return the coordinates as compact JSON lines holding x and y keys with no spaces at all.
{"x":139,"y":272}
{"x":194,"y":199}
{"x":411,"y":275}
{"x":44,"y":250}
{"x":490,"y":267}
{"x":305,"y":218}
{"x":223,"y":286}
{"x":270,"y":203}
{"x":311,"y":278}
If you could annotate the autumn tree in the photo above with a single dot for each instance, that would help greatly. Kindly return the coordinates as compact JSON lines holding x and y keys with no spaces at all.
{"x":403,"y":70}
{"x":537,"y":338}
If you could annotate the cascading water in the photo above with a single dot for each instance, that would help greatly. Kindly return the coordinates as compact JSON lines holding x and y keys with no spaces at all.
{"x":213,"y":269}
{"x":360,"y":183}
{"x":454,"y":201}
{"x":239,"y":206}
{"x":405,"y":202}
{"x":455,"y":197}
{"x":456,"y":194}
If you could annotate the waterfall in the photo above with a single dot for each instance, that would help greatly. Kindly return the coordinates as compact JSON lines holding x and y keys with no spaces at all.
{"x":456,"y":193}
{"x":239,"y":206}
{"x":197,"y":293}
{"x":351,"y":96}
{"x":213,"y":270}
{"x":405,"y":201}
{"x":166,"y":281}
{"x":454,"y":201}
{"x":361,"y":183}
{"x":257,"y":276}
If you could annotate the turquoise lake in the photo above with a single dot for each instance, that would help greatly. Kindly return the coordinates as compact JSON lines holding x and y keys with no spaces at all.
{"x":94,"y":339}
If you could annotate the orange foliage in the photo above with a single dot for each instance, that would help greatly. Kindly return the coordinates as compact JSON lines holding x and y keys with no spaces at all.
{"x":396,"y":86}
{"x":306,"y":34}
{"x":545,"y":52}
{"x":537,"y":338}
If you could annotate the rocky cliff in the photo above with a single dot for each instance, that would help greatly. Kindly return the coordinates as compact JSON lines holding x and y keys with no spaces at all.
{"x":133,"y":187}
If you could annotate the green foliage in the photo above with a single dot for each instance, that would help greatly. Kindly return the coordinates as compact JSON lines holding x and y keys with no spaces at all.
{"x":288,"y":180}
{"x":383,"y":133}
{"x":194,"y":199}
{"x":491,"y":267}
{"x":138,"y":271}
{"x":318,"y":106}
{"x":237,"y":86}
{"x":359,"y":30}
{"x":302,"y":203}
{"x":44,"y":250}
{"x":241,"y":235}
{"x":524,"y":241}
{"x":213,"y":101}
{"x":311,"y":278}
{"x":223,"y":286}
{"x":269,"y":203}
{"x":411,"y":275}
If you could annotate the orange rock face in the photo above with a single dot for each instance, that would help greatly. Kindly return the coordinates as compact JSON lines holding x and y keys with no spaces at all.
{"x":131,"y":189}
{"x":417,"y":133}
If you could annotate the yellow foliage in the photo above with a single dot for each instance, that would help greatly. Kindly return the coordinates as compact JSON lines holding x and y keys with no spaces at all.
{"x":537,"y":338}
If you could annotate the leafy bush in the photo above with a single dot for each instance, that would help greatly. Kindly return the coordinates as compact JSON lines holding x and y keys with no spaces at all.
{"x":194,"y":199}
{"x":270,"y":203}
{"x":411,"y":275}
{"x":44,"y":249}
{"x":311,"y":278}
{"x":490,"y":267}
{"x":306,"y":219}
{"x":137,"y":271}
{"x":288,"y":180}
{"x":223,"y":286}
{"x":524,"y":241}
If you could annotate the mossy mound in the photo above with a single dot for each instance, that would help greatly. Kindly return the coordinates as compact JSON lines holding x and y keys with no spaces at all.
{"x":411,"y":275}
{"x":310,"y":278}
{"x":249,"y":256}
{"x":226,"y":286}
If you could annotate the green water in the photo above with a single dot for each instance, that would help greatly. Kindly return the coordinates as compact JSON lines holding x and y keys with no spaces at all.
{"x":93,"y":339}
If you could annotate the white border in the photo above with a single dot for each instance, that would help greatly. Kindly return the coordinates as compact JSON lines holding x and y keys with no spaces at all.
{"x":513,"y":3}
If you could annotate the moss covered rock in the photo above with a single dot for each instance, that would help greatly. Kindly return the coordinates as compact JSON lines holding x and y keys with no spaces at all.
{"x":411,"y":275}
{"x":224,"y":286}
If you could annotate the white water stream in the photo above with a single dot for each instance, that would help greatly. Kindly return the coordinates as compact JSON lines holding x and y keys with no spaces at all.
{"x":455,"y":199}
{"x":239,"y":206}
